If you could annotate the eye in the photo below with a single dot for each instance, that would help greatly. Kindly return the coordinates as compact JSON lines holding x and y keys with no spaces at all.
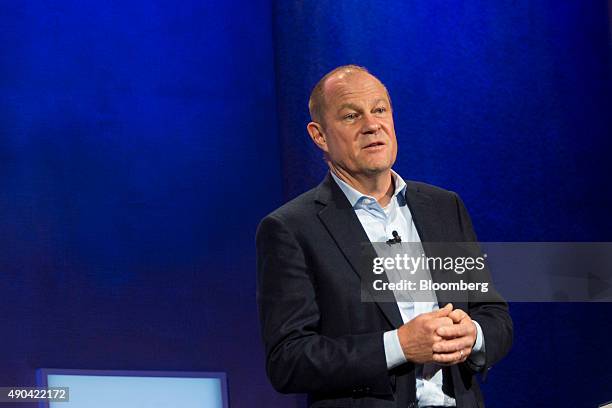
{"x":351,"y":116}
{"x":380,"y":109}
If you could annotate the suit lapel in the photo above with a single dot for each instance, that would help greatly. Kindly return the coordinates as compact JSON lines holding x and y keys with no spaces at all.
{"x":426,"y":219}
{"x":340,"y":219}
{"x":432,"y":231}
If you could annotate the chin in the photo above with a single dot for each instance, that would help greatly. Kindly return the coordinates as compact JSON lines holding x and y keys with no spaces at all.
{"x":375,"y":170}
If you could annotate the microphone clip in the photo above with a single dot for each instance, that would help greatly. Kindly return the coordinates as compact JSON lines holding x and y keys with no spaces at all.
{"x":395,"y":240}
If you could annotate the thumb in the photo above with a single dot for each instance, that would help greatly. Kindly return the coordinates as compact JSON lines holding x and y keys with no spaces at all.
{"x":445,"y":311}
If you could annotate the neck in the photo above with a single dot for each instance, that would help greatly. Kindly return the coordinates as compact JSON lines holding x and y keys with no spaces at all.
{"x":379,"y":185}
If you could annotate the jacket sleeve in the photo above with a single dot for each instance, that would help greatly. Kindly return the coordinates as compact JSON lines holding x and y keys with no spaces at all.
{"x":299,"y":359}
{"x":492,"y":314}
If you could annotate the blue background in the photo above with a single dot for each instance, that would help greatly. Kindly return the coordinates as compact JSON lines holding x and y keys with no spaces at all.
{"x":142,"y":142}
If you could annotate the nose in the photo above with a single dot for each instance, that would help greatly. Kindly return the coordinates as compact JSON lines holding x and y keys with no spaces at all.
{"x":370,"y":125}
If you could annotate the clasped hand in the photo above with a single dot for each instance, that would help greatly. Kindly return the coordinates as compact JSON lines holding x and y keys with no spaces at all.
{"x":444,"y":336}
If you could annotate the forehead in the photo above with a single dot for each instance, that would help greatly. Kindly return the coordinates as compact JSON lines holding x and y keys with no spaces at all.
{"x":354,"y":87}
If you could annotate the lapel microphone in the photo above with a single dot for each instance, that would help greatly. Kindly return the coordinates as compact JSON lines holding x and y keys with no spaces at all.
{"x":395,"y":240}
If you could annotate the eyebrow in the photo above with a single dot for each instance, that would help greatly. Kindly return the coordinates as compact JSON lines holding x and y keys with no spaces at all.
{"x":379,"y":100}
{"x":357,"y":108}
{"x":349,"y":106}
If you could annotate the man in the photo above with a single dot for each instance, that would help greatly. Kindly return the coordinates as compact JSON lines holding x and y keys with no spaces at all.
{"x":321,"y":338}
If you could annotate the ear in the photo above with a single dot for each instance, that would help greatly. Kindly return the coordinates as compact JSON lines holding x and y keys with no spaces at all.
{"x":315,"y":130}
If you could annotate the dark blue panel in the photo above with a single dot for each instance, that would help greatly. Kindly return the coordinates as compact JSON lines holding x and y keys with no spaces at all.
{"x":138,"y":150}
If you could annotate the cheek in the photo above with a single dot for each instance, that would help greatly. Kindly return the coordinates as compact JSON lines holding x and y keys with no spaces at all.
{"x":393,"y":138}
{"x":346,"y":145}
{"x":341,"y":149}
{"x":393,"y":151}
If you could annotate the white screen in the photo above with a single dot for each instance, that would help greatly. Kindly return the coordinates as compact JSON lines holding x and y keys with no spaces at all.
{"x":91,"y":391}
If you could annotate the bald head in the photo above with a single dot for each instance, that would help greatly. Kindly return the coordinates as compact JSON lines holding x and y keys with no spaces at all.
{"x":317,"y":101}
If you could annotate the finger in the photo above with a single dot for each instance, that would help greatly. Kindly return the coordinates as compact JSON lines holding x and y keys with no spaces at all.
{"x":450,"y":332}
{"x":444,"y":311}
{"x":452,"y":358}
{"x":466,"y":353}
{"x":447,"y":358}
{"x":433,"y":324}
{"x":451,"y":346}
{"x":456,"y":330}
{"x":457,"y":315}
{"x":442,"y":322}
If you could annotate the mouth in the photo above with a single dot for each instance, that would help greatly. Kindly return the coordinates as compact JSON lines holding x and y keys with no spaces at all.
{"x":374,"y":146}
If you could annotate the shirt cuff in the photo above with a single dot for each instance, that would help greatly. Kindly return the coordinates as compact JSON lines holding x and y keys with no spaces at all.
{"x":478,"y":351}
{"x":393,"y":349}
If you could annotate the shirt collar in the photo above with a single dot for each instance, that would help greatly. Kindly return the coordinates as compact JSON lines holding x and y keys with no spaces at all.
{"x":355,"y":196}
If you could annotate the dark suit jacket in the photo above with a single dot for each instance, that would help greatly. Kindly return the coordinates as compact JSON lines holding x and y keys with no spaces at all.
{"x":320,"y":338}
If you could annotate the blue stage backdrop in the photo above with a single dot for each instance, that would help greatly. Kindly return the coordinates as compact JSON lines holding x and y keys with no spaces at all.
{"x":510,"y":105}
{"x":141,"y":143}
{"x":138,"y":151}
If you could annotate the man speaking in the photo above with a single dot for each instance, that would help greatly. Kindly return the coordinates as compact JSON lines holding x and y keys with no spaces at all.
{"x":320,"y":337}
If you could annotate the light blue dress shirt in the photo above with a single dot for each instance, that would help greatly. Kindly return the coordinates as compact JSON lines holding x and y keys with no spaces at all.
{"x":379,"y":224}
